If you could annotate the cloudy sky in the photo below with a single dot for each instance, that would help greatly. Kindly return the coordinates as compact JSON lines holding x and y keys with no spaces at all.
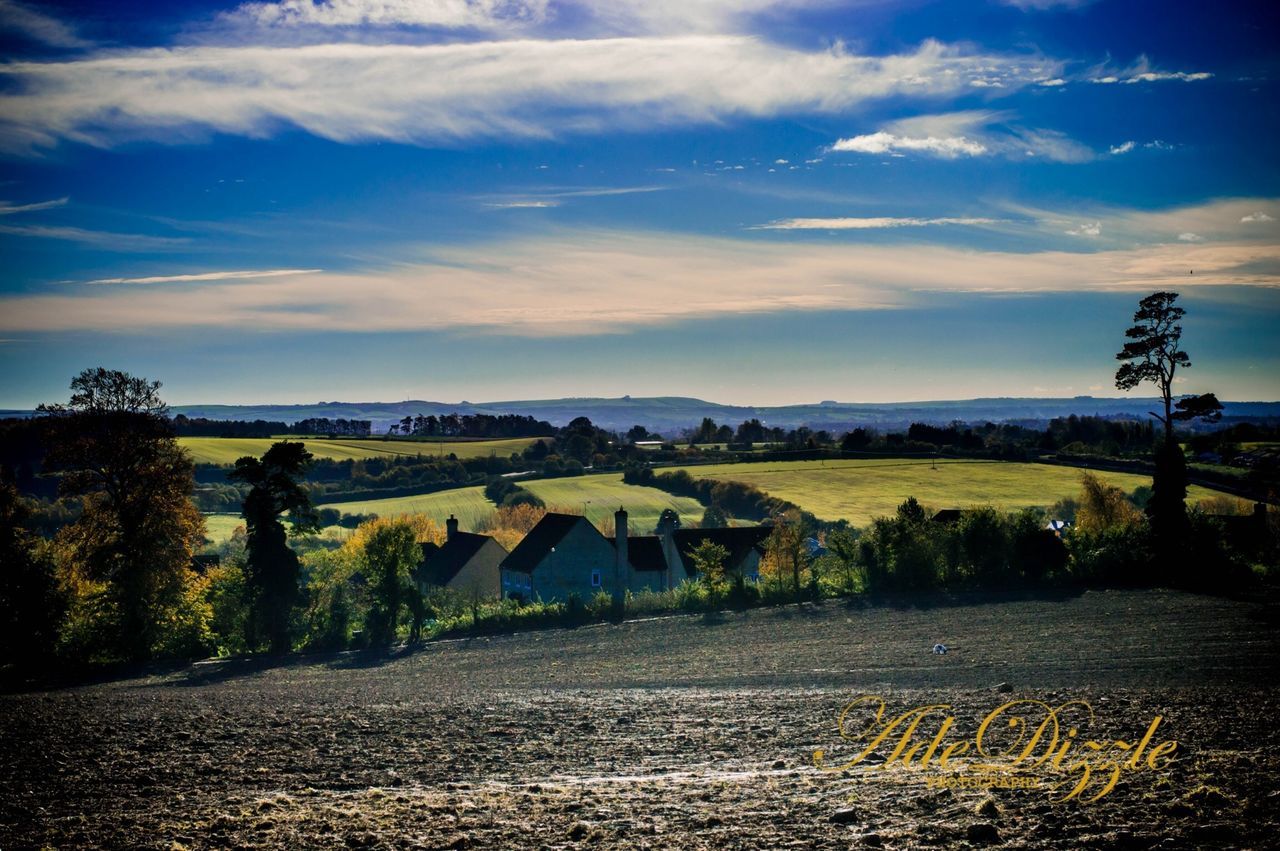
{"x":762,"y":201}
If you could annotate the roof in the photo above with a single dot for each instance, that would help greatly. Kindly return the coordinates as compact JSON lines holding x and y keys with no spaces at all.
{"x":550,"y":530}
{"x":947,"y":515}
{"x":645,"y":552}
{"x":441,"y":564}
{"x":739,"y":541}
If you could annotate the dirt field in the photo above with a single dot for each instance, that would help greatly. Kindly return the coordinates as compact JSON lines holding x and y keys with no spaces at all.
{"x":682,"y":732}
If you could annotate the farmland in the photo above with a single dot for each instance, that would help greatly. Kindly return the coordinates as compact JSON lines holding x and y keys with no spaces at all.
{"x":684,"y":731}
{"x":225,"y":450}
{"x":595,"y":496}
{"x":859,"y":491}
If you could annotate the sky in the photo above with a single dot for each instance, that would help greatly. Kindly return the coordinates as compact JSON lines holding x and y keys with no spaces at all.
{"x":757,"y":202}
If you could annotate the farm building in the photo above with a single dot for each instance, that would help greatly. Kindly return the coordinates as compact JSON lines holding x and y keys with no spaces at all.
{"x":466,"y":563}
{"x":564,"y":554}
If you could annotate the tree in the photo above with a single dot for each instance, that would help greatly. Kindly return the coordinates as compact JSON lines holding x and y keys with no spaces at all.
{"x":31,"y":605}
{"x":709,"y":559}
{"x":714,"y":517}
{"x":1153,"y":354}
{"x":391,"y":552}
{"x":785,"y":548}
{"x":272,"y":569}
{"x":138,"y":530}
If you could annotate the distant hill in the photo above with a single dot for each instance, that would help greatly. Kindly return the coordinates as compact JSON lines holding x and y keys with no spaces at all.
{"x":670,"y":414}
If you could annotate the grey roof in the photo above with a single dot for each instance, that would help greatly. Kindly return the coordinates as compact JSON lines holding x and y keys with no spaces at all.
{"x":739,"y":541}
{"x":550,"y":530}
{"x":441,"y":564}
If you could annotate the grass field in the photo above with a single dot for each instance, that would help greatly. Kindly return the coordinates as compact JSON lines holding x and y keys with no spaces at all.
{"x":859,"y":491}
{"x":218,"y":528}
{"x":597,"y":496}
{"x":225,"y":450}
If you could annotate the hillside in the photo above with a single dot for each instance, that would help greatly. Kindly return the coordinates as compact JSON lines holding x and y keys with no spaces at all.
{"x":669,"y":414}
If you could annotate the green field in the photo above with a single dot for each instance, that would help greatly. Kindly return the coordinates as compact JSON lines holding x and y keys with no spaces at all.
{"x":861,"y":490}
{"x":225,"y":450}
{"x":218,"y":528}
{"x":596,"y":496}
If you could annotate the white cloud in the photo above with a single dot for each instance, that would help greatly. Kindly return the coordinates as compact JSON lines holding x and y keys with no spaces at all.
{"x":1052,"y":83}
{"x":948,"y":147}
{"x":1188,"y":236}
{"x":96,"y":238}
{"x":517,"y":205}
{"x":1142,"y":71}
{"x":1043,"y":5}
{"x":971,"y":133}
{"x":594,"y":17}
{"x":869,"y":223}
{"x":1090,"y":229}
{"x":422,"y":13}
{"x":7,"y":209}
{"x":37,"y":26}
{"x":555,"y":197}
{"x":1123,"y":148}
{"x":447,"y":93}
{"x":1256,"y":217}
{"x":208,"y":276}
{"x":599,"y":282}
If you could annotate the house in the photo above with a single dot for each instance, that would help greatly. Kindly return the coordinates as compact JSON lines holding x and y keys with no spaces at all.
{"x":1058,"y":527}
{"x":466,"y":563}
{"x":745,"y":545}
{"x":565,"y":554}
{"x":562,"y":555}
{"x":948,"y":516}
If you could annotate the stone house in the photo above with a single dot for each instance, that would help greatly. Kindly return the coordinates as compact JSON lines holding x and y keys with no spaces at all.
{"x":565,"y":554}
{"x":466,"y":563}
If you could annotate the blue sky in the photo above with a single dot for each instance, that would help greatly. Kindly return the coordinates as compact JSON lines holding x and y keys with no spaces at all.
{"x":765,"y":201}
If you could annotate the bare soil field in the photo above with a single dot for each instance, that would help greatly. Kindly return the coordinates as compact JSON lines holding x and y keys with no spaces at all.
{"x":681,"y":732}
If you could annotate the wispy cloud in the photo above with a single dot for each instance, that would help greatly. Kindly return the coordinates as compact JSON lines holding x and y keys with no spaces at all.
{"x":96,"y":238}
{"x":1089,"y":229}
{"x":7,"y":209}
{"x":447,"y":93}
{"x":586,"y":17}
{"x":971,"y":133}
{"x":1123,"y":148}
{"x":1256,"y":217}
{"x":1044,"y":5}
{"x":209,"y":276}
{"x":587,"y":283}
{"x":881,"y":142}
{"x":869,"y":223}
{"x":543,"y":198}
{"x":1142,"y":71}
{"x":482,"y":14}
{"x":37,"y":26}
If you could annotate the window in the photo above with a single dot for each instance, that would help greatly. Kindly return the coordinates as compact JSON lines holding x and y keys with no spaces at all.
{"x":595,"y":579}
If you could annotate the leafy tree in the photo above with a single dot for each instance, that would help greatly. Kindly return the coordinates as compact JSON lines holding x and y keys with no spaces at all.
{"x":31,"y":605}
{"x":910,"y":511}
{"x":272,"y":569}
{"x":138,"y":528}
{"x":714,"y":517}
{"x":391,"y":552}
{"x":1103,"y":506}
{"x":785,"y":548}
{"x":843,"y":543}
{"x":709,"y":559}
{"x":1154,"y":354}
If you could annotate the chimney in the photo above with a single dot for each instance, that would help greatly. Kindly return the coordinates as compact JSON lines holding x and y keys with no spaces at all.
{"x":622,"y":568}
{"x":450,"y":527}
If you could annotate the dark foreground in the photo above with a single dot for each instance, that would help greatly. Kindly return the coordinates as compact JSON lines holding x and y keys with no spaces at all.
{"x":679,"y":732}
